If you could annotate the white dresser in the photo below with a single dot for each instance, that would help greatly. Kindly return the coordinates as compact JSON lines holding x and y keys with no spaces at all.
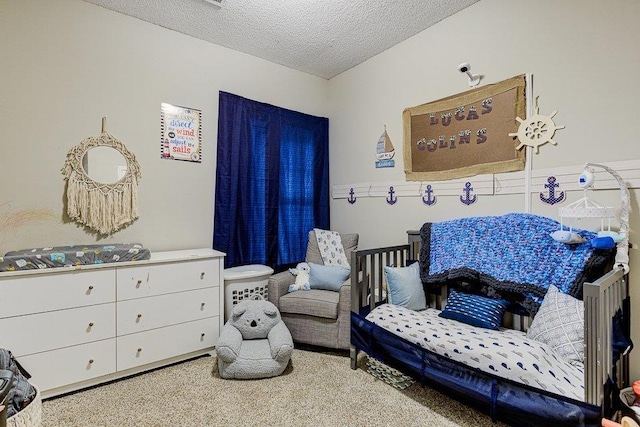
{"x":74,"y":327}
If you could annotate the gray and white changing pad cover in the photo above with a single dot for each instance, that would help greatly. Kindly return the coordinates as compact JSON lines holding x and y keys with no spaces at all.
{"x":506,"y":353}
{"x":67,"y":256}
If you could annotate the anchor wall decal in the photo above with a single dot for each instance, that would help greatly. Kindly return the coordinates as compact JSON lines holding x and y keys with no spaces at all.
{"x":468,"y":200}
{"x":552,"y":185}
{"x":431,"y":199}
{"x":352,"y":199}
{"x":392,"y":199}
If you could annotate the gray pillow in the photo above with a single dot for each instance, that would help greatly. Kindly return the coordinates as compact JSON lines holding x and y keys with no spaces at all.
{"x":559,"y":323}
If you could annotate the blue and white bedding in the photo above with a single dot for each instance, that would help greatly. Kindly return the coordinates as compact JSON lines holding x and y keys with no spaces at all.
{"x":511,"y":253}
{"x":506,"y":353}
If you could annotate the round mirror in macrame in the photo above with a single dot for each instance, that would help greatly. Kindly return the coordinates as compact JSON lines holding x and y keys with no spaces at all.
{"x":102,"y":207}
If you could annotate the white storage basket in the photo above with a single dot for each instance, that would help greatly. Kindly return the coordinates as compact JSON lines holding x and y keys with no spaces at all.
{"x":242,"y":282}
{"x":31,"y":416}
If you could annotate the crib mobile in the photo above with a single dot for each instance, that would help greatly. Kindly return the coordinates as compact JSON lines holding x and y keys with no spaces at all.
{"x":587,"y":208}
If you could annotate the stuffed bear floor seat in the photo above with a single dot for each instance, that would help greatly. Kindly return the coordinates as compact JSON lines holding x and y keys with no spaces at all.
{"x":254,"y":343}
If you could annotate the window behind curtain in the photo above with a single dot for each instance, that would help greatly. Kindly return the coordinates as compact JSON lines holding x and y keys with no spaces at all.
{"x":297,"y":183}
{"x":272,"y":182}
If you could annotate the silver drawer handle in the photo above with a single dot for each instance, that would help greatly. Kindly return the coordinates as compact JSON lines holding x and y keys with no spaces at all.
{"x":90,"y":287}
{"x":138,"y":316}
{"x":202,"y":306}
{"x":138,"y":283}
{"x":202,"y":276}
{"x":90,"y":324}
{"x":90,"y":361}
{"x":139,"y":350}
{"x":202,"y":336}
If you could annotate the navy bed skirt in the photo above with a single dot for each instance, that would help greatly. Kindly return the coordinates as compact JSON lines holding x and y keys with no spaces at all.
{"x":504,"y":400}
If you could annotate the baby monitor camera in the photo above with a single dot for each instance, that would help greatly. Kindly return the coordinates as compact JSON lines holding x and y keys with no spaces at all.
{"x":474,"y":79}
{"x":464,"y":67}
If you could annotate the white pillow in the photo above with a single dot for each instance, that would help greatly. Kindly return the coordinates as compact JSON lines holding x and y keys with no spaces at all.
{"x":559,"y":323}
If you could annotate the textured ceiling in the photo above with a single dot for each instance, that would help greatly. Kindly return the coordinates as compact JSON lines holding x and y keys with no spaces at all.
{"x":320,"y":37}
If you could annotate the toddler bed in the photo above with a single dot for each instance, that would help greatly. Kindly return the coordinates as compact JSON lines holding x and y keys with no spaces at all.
{"x":508,"y":268}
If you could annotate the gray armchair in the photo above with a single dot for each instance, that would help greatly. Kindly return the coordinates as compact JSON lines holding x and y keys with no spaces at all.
{"x":315,"y":317}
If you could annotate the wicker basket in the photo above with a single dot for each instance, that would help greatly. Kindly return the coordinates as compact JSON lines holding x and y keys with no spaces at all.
{"x":391,"y":376}
{"x":31,"y":416}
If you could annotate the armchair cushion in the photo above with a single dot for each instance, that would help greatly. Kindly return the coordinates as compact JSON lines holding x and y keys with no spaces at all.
{"x":315,"y":302}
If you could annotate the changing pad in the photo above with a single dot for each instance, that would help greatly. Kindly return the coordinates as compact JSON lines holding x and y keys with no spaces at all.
{"x":66,"y":256}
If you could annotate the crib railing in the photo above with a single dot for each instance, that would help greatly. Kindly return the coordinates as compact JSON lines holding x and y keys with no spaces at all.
{"x":367,"y":279}
{"x":369,"y":264}
{"x":602,"y":299}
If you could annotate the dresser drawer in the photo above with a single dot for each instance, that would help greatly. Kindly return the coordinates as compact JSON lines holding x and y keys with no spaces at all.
{"x":158,"y":279}
{"x":154,"y":312}
{"x":48,"y":331}
{"x":157,"y":344}
{"x":65,"y":366}
{"x":55,"y":291}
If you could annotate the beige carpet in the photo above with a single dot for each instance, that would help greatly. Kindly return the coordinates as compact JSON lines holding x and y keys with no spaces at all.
{"x":316,"y":389}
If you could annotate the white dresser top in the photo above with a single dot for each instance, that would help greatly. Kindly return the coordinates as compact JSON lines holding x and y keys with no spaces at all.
{"x":156,"y":258}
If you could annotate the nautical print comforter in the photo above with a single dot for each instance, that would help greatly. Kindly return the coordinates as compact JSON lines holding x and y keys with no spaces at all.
{"x":506,"y":353}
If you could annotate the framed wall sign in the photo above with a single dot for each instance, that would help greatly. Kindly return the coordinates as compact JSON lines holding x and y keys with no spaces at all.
{"x":181,"y":133}
{"x":465,"y":134}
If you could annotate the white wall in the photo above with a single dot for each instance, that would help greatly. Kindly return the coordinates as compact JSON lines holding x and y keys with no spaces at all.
{"x":583,"y":57}
{"x":66,"y":64}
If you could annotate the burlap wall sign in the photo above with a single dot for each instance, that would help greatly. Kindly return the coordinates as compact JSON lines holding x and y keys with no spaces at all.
{"x":465,"y":134}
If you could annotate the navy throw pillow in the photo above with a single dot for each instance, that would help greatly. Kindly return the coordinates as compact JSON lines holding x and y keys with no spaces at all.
{"x":475,"y":310}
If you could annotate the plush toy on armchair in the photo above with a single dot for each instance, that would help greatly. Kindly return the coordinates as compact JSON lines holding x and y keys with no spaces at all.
{"x":302,"y":273}
{"x":255,"y":342}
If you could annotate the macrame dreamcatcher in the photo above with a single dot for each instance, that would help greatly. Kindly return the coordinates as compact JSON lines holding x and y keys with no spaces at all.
{"x":103,"y":207}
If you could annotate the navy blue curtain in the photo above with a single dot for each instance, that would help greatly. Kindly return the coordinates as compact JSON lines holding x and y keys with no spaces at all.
{"x":272,"y":182}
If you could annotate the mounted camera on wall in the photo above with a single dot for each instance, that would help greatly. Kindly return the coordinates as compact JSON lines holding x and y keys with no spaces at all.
{"x":474,"y":79}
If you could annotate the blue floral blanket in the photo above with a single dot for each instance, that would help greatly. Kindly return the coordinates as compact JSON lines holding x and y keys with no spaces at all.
{"x":512,"y":253}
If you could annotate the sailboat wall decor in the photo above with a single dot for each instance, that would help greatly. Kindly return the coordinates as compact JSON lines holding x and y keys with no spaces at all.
{"x":385,"y":151}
